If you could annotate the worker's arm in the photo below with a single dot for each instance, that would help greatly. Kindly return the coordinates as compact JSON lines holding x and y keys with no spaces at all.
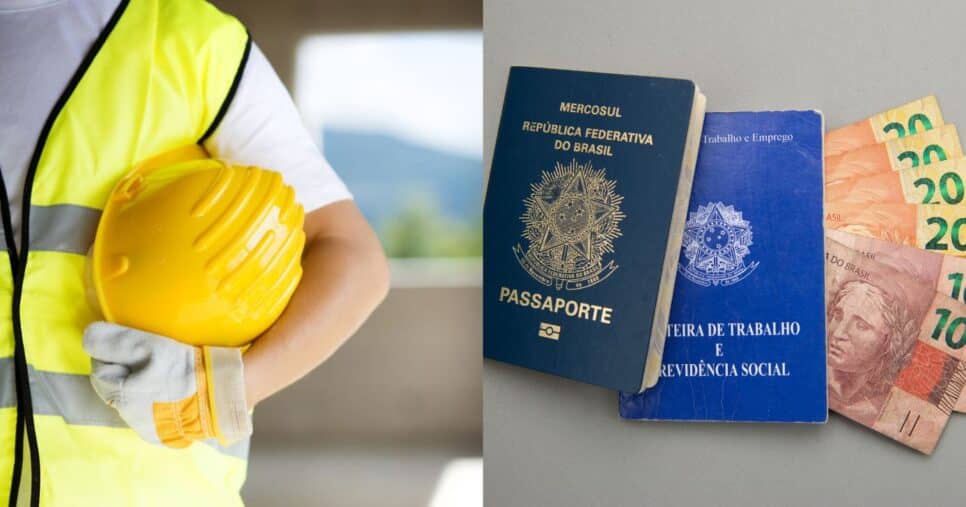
{"x":344,"y":270}
{"x":173,"y":393}
{"x":345,"y":276}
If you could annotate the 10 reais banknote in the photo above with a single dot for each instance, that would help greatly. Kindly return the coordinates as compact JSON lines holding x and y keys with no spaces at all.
{"x":895,"y":339}
{"x":895,"y":248}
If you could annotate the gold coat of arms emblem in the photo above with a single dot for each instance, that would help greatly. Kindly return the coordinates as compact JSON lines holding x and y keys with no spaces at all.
{"x":571,"y":220}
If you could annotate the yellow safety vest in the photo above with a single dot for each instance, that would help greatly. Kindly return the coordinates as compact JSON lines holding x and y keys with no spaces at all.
{"x":159,"y":76}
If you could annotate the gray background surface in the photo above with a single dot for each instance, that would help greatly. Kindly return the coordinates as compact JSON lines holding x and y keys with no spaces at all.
{"x":549,"y":441}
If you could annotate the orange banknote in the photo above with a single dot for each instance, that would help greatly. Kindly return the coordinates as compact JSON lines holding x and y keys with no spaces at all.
{"x":906,"y":120}
{"x":896,"y":347}
{"x":937,"y":183}
{"x":944,"y":273}
{"x":908,"y":152}
{"x":931,"y":227}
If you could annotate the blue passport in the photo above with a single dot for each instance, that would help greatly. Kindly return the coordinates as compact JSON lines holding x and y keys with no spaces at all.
{"x":746,"y":334}
{"x":583,"y":215}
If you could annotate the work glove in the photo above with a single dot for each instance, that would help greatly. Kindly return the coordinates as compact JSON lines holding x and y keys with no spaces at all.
{"x":168,"y":392}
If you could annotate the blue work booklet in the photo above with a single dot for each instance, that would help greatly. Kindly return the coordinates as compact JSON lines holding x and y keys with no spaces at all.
{"x":746,"y":333}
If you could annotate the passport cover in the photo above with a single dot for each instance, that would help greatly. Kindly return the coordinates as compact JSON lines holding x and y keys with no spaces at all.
{"x":577,"y":215}
{"x":746,"y":334}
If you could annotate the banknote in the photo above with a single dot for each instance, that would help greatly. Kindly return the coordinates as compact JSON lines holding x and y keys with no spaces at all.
{"x":944,"y":273}
{"x":928,"y":226}
{"x":932,"y":146}
{"x":895,"y":346}
{"x":906,"y":120}
{"x":936,"y":183}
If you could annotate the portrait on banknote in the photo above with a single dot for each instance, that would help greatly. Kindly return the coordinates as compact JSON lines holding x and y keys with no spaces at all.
{"x":870,"y":334}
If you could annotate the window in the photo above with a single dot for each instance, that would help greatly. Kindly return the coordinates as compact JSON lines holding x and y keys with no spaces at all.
{"x":399,"y":116}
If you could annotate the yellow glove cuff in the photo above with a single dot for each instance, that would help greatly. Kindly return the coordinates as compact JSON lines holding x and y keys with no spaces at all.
{"x":179,"y":423}
{"x":217,"y":409}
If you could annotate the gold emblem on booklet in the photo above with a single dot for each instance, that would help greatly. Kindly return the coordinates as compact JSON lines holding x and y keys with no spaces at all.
{"x":572,"y":217}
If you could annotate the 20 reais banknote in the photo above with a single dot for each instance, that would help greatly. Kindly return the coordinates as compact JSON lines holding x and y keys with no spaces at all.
{"x":906,"y":120}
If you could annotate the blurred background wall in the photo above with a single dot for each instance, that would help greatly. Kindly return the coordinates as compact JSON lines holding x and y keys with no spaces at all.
{"x":278,"y":26}
{"x":380,"y":422}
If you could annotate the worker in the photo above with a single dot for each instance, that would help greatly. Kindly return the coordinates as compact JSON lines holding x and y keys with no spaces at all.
{"x":89,"y":88}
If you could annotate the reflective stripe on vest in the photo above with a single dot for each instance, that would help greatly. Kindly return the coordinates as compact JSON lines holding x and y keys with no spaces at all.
{"x":159,"y":77}
{"x":72,"y":397}
{"x":62,"y":228}
{"x":66,"y":228}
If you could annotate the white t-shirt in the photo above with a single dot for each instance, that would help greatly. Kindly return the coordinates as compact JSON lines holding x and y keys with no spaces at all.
{"x":42,"y":42}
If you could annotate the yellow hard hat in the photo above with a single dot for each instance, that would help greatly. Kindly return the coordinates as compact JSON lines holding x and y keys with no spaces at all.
{"x":201,"y":251}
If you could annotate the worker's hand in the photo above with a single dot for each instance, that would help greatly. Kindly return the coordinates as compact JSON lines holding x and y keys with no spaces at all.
{"x":169,"y":392}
